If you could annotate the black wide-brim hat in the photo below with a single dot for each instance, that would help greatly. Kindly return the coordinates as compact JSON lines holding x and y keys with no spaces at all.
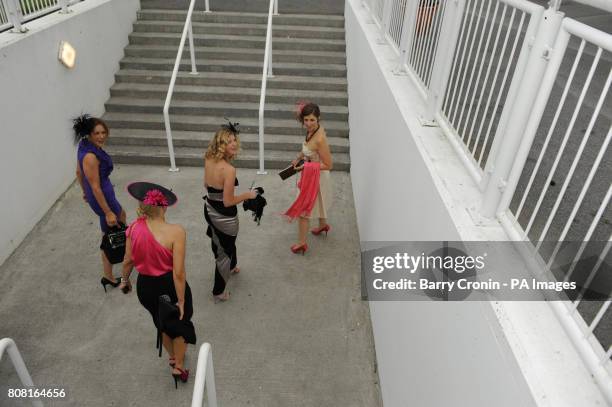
{"x":140,"y":189}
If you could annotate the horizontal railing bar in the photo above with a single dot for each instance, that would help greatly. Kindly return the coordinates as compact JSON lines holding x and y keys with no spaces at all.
{"x":588,"y":33}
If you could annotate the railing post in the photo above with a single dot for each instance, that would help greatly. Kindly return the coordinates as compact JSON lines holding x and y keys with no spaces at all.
{"x":64,"y":4}
{"x":207,"y":7}
{"x":275,"y":7}
{"x":22,"y":371}
{"x":534,"y":120}
{"x":447,"y":43}
{"x":407,"y":36}
{"x":526,"y":94}
{"x":205,"y":379}
{"x":15,"y":16}
{"x":194,"y":70}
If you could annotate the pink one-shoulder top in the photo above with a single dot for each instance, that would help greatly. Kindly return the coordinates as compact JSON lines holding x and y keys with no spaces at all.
{"x":149,"y":256}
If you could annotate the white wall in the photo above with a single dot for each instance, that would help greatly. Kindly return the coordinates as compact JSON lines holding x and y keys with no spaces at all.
{"x":39,"y":96}
{"x":410,"y":185}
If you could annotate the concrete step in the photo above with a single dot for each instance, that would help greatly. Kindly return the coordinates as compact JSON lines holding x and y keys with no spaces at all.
{"x":227,"y":94}
{"x":238,"y":41}
{"x":278,"y":31}
{"x":193,"y":157}
{"x":216,"y":108}
{"x":229,"y":79}
{"x":235,"y":54}
{"x":280,"y":68}
{"x":139,"y":137}
{"x":211,"y":123}
{"x":312,"y":20}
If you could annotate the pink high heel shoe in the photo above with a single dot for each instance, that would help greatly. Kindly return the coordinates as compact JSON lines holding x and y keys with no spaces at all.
{"x":318,"y":231}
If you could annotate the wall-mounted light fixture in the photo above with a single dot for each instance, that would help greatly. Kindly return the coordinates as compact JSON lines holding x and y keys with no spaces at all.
{"x":67,"y":54}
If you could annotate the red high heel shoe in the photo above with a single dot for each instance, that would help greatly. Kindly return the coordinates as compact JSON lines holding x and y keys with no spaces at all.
{"x":296,"y":248}
{"x":317,"y":231}
{"x":182,"y":376}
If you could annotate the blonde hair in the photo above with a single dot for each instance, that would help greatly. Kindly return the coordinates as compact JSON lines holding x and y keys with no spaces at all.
{"x":148,"y":211}
{"x":218,"y":144}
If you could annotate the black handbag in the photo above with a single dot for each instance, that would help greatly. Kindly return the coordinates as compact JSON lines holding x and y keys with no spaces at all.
{"x":113,"y":243}
{"x":166,"y":311}
{"x":290,"y":170}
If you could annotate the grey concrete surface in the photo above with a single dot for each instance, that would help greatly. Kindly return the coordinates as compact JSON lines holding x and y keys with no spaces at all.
{"x":294,"y":333}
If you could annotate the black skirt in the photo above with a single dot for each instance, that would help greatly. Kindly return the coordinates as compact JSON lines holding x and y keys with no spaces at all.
{"x":150,"y":288}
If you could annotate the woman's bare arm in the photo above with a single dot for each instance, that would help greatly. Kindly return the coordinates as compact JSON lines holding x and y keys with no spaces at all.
{"x":79,"y":176}
{"x":324,"y":154}
{"x":229,"y":178}
{"x":178,"y":265}
{"x":91,"y":168}
{"x":128,"y":266}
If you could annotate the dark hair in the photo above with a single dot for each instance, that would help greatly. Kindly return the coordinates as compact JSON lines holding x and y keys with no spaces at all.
{"x":307,"y":109}
{"x":84,"y":125}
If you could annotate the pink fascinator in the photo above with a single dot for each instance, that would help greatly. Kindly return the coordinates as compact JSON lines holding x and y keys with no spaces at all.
{"x":155,"y":197}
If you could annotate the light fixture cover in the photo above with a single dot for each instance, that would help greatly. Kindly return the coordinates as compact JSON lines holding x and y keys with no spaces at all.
{"x":67,"y":54}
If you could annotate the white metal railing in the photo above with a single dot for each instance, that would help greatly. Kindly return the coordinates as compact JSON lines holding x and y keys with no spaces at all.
{"x":14,"y":13}
{"x":266,"y":73}
{"x":205,"y":378}
{"x":486,"y":69}
{"x":187,"y":31}
{"x":8,"y":345}
{"x":490,"y":59}
{"x":425,"y":39}
{"x":522,"y":221}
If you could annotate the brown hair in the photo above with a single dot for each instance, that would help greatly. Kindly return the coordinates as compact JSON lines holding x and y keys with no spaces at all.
{"x":101,"y":122}
{"x":218,"y":144}
{"x":307,"y":109}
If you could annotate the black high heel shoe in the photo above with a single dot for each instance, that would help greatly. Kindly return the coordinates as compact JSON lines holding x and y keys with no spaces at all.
{"x":182,"y":376}
{"x":105,"y":281}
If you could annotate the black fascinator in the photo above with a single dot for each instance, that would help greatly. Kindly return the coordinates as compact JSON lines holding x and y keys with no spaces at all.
{"x":233,"y":127}
{"x":82,"y":126}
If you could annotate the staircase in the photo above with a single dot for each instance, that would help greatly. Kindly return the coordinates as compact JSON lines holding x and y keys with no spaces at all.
{"x":309,"y":63}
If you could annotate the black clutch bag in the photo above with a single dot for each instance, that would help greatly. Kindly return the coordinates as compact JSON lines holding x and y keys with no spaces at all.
{"x":166,"y":311}
{"x":289,"y":171}
{"x":113,"y":244}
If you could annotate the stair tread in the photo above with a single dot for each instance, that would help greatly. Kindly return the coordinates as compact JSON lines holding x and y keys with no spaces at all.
{"x":288,"y":107}
{"x":222,"y":62}
{"x":242,"y":25}
{"x":238,"y":37}
{"x":152,"y":48}
{"x":245,"y":154}
{"x":203,"y":135}
{"x":245,"y":121}
{"x":235,"y":13}
{"x":231,"y":75}
{"x":226,"y":89}
{"x":270,"y":139}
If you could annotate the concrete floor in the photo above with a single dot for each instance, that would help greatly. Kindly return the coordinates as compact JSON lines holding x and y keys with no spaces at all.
{"x":295,"y":332}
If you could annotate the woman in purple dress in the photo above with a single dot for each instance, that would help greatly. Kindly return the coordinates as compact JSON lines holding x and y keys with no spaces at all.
{"x":94,"y":167}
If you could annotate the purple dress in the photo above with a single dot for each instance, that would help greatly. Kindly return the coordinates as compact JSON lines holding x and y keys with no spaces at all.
{"x":106,"y":167}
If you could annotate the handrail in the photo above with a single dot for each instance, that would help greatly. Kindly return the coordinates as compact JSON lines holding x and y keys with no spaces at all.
{"x":22,"y":371}
{"x":267,"y":72}
{"x":179,"y":55}
{"x":14,"y":13}
{"x":205,"y":376}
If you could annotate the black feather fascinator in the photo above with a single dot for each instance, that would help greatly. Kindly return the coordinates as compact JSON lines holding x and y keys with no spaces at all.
{"x":233,"y":127}
{"x":82,"y":126}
